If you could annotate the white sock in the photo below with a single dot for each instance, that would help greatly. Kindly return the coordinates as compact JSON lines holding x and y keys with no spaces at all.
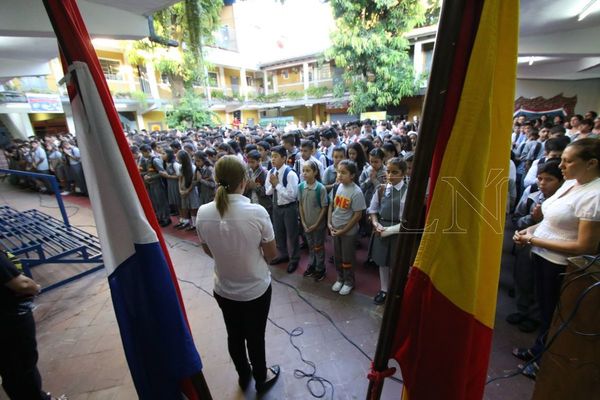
{"x":384,"y":277}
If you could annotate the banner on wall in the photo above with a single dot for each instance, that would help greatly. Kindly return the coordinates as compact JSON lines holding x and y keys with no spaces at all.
{"x":374,"y":115}
{"x":277,"y":121}
{"x":42,"y":103}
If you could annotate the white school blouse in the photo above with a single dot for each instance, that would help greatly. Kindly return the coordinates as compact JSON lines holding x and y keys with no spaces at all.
{"x":241,"y":272}
{"x":562,"y":213}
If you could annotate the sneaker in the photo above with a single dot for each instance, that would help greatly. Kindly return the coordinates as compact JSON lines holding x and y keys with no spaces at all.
{"x":337,"y":286}
{"x":319,"y":276}
{"x":346,"y":289}
{"x":65,"y":193}
{"x":310,"y":271}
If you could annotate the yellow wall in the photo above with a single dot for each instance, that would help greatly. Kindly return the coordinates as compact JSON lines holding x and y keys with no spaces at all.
{"x":221,"y":117}
{"x":37,"y":117}
{"x":154,"y":118}
{"x":303,"y":114}
{"x":111,"y":55}
{"x":246,"y":114}
{"x":227,"y":17}
{"x":119,"y":87}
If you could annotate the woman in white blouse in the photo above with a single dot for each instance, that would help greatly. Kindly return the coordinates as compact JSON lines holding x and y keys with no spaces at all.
{"x":239,"y":236}
{"x":571,"y":226}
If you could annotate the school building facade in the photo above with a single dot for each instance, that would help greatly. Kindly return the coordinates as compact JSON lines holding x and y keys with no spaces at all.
{"x":237,"y":87}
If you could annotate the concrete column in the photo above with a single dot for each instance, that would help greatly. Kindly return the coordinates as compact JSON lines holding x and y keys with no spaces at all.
{"x":151,"y":72}
{"x":305,"y":75}
{"x":69,"y":117}
{"x":418,"y":59}
{"x":140,"y":121}
{"x":315,"y":78}
{"x":130,"y":77}
{"x":275,"y":88}
{"x":266,"y":82}
{"x":18,"y":124}
{"x":243,"y":84}
{"x":222,"y":82}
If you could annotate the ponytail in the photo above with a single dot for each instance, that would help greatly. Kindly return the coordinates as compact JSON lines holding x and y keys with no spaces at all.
{"x":222,"y":200}
{"x":229,"y":174}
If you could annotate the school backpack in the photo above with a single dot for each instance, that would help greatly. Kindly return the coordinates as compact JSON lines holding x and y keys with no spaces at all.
{"x":318,"y":190}
{"x":287,"y":170}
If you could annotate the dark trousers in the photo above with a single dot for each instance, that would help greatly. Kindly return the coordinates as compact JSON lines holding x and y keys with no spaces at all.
{"x":246,"y":322}
{"x":548,"y":280}
{"x":287,"y":231}
{"x":21,"y":379}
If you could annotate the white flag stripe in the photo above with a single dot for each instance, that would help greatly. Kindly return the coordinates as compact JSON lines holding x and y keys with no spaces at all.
{"x":117,"y":211}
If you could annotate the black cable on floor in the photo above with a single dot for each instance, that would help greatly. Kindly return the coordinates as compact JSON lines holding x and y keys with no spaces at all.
{"x":313,"y":378}
{"x":332,"y":322}
{"x":561,"y":328}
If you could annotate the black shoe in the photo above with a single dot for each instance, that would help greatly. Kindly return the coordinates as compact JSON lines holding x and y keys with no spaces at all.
{"x":332,"y":260}
{"x":370,"y":264}
{"x":319,"y":276}
{"x":279,"y":260}
{"x":303,"y":246}
{"x":292,"y":266}
{"x":523,"y":354}
{"x":380,"y":298}
{"x":310,"y":271}
{"x":262,"y":387}
{"x":177,"y":226}
{"x":165,"y":223}
{"x":183,"y":226}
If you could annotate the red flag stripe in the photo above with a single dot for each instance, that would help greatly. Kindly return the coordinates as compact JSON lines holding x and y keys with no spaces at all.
{"x":468,"y":31}
{"x":427,"y":340}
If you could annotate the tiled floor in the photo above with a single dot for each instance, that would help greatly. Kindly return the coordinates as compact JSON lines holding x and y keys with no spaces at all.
{"x":81,"y":353}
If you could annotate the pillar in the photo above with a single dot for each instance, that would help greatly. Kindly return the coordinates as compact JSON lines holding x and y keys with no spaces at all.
{"x":151,"y":75}
{"x":140,"y":121}
{"x":418,"y":59}
{"x":243,"y":84}
{"x":69,"y":117}
{"x":18,"y":124}
{"x":266,"y":82}
{"x":275,"y":88}
{"x":222,"y":82}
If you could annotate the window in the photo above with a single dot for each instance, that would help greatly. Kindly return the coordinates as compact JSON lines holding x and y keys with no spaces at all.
{"x":324,"y":72}
{"x":249,"y":80}
{"x":110,"y":68}
{"x":285,"y":74}
{"x":212,"y":79}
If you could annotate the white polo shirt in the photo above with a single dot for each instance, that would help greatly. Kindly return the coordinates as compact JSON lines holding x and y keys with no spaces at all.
{"x":241,"y":272}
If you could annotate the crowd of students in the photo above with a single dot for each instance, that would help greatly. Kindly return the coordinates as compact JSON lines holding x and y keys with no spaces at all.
{"x":343,"y":181}
{"x":555,"y":171}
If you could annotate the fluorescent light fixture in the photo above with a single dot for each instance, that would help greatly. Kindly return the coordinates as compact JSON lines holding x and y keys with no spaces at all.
{"x":588,"y":9}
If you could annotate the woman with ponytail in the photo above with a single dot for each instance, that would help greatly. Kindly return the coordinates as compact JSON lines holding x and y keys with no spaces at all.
{"x":239,"y":236}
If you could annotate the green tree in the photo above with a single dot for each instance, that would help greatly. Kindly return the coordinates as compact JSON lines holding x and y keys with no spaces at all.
{"x":370,"y":47}
{"x":191,"y":23}
{"x":190,"y":112}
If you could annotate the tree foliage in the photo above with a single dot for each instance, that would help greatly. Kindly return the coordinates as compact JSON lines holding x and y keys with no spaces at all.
{"x":370,"y":47}
{"x":191,"y":23}
{"x":190,"y":112}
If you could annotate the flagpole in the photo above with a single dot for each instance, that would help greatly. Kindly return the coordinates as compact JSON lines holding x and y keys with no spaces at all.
{"x":435,"y":100}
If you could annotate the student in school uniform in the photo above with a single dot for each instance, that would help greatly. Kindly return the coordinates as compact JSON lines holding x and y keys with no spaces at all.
{"x":386,"y":208}
{"x":204,"y":178}
{"x":306,"y":151}
{"x":312,"y":198}
{"x":290,"y":142}
{"x":264,"y":148}
{"x":171,"y":175}
{"x":150,"y":168}
{"x":330,"y":175}
{"x":190,"y":201}
{"x":282,"y":184}
{"x":255,"y":188}
{"x":347,"y":206}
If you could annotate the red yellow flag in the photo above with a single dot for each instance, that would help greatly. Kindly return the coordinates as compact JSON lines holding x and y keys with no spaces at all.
{"x":444,"y":333}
